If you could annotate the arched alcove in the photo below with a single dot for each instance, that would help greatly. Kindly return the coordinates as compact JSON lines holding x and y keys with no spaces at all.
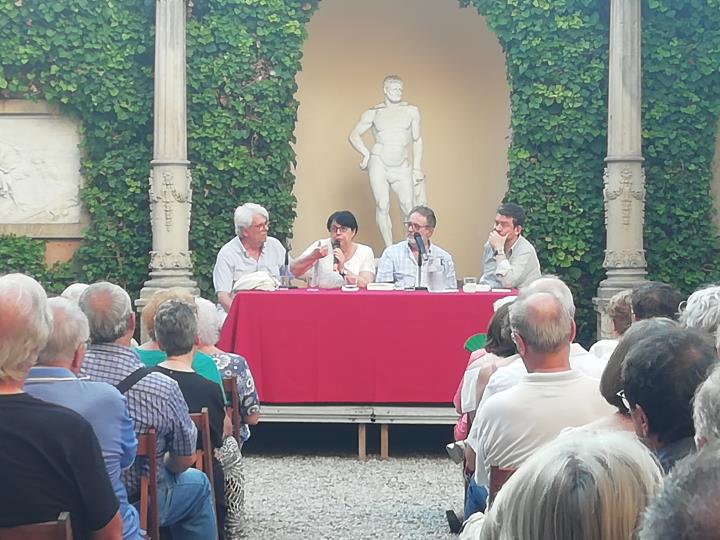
{"x":454,"y":70}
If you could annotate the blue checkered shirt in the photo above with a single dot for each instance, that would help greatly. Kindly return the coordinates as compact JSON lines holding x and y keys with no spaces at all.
{"x":155,"y":401}
{"x":398,"y":265}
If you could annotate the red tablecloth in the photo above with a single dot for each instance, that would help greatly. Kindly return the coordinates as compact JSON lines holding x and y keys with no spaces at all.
{"x":355,"y":347}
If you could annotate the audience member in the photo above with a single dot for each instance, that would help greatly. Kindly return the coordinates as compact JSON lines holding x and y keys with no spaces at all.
{"x":154,"y":400}
{"x":176,"y":331}
{"x":150,"y":353}
{"x":338,"y":259}
{"x":251,"y":250}
{"x":73,"y":291}
{"x":55,"y":380}
{"x":660,"y":376}
{"x":611,"y":382}
{"x":702,"y":310}
{"x":686,"y":507}
{"x":655,"y":299}
{"x":513,"y":424}
{"x":51,"y":460}
{"x":509,"y":259}
{"x":706,"y":410}
{"x":577,"y":487}
{"x":619,"y":310}
{"x":399,"y":262}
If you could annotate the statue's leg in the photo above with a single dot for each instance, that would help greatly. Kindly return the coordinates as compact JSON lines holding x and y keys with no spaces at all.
{"x":419,"y":198}
{"x":403,"y":188}
{"x":381,"y":192}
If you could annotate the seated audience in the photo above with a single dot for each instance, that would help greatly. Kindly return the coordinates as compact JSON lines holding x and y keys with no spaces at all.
{"x":339,"y":259}
{"x":702,"y":310}
{"x":660,"y":376}
{"x":399,"y":262}
{"x":150,"y":353}
{"x":50,"y":459}
{"x":154,"y":400}
{"x":619,"y":311}
{"x":176,"y":331}
{"x":55,"y":380}
{"x":577,"y":487}
{"x":73,"y":291}
{"x":655,"y":299}
{"x":251,"y":250}
{"x":686,"y":507}
{"x":611,"y":382}
{"x":552,"y":396}
{"x":230,"y":365}
{"x":706,"y":410}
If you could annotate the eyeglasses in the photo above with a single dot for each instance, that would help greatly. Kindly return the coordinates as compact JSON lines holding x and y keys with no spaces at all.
{"x":414,"y":226}
{"x":339,"y":228}
{"x":261,"y":226}
{"x":625,"y":402}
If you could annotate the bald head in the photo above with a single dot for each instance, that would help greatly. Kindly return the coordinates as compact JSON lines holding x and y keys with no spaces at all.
{"x":542,"y":322}
{"x":108,"y":310}
{"x":555,"y":286}
{"x":25,"y":323}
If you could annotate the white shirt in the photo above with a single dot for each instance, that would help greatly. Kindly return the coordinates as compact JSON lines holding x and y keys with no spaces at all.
{"x":398,"y":264}
{"x":233,"y":261}
{"x":513,"y":424}
{"x":363,"y":260}
{"x":603,"y":348}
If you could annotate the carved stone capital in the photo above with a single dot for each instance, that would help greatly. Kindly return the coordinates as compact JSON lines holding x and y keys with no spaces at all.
{"x":627,"y":258}
{"x":170,"y":260}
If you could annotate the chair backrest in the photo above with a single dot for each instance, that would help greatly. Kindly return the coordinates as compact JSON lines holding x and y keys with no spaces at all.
{"x":203,"y":457}
{"x":475,"y":342}
{"x":230,"y":386}
{"x":498,"y":477}
{"x":50,"y":530}
{"x":149,"y":521}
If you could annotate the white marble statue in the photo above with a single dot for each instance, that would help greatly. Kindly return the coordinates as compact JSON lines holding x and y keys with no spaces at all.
{"x":395,"y":125}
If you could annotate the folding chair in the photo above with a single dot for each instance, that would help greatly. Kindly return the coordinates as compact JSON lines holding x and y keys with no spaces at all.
{"x":149,"y":520}
{"x":50,"y":530}
{"x":498,"y":477}
{"x":231,"y":389}
{"x":204,"y":456}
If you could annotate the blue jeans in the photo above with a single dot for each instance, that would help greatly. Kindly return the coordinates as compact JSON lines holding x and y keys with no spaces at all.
{"x":476,"y":498}
{"x":185,"y":505}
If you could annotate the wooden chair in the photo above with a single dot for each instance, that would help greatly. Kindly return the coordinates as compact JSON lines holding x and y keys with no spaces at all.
{"x":203,"y":457}
{"x":231,"y":389}
{"x":498,"y":477}
{"x":149,"y":520}
{"x":50,"y":530}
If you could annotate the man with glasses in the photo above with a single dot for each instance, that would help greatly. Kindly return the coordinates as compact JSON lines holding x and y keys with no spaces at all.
{"x":252,"y":250}
{"x":399,"y":262}
{"x":509,"y":259}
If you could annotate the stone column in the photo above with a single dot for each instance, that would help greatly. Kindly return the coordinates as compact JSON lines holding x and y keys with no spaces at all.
{"x":170,"y":180}
{"x":624,"y":176}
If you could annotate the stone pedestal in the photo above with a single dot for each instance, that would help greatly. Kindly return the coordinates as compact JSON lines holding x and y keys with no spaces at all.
{"x":624,"y":177}
{"x":170,"y":190}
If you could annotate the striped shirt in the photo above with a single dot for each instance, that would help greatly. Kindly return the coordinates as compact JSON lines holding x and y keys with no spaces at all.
{"x":155,"y":401}
{"x":398,"y":265}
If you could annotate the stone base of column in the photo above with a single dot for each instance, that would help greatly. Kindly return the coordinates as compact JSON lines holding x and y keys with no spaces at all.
{"x":617,"y":280}
{"x":159,"y":280}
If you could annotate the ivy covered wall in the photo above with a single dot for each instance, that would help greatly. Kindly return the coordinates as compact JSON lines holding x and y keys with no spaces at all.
{"x":93,"y":59}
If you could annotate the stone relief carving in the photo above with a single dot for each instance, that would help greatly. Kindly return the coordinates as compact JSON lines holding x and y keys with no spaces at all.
{"x":170,"y":260}
{"x":626,"y":258}
{"x":625,"y":192}
{"x":168,"y":195}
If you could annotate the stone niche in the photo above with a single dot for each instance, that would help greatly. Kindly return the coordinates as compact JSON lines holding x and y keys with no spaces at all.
{"x":40,"y":177}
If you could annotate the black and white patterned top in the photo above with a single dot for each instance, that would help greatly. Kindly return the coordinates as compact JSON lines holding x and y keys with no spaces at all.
{"x":233,"y":365}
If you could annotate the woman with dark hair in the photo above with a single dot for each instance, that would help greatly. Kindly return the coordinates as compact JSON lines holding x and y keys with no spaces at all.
{"x":337,"y":260}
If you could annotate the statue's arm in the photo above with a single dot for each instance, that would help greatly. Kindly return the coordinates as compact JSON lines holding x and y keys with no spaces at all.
{"x":355,"y":138}
{"x":417,"y":144}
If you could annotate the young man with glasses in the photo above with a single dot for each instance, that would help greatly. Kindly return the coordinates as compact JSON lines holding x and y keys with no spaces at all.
{"x":399,"y":262}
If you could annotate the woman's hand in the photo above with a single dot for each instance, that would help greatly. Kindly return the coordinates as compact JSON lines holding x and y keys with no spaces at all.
{"x":340,"y":256}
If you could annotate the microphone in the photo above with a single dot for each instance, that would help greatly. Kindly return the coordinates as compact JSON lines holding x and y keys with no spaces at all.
{"x":335,"y":244}
{"x":420,"y":245}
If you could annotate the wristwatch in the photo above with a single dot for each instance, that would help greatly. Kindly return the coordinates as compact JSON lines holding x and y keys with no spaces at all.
{"x":497,"y":252}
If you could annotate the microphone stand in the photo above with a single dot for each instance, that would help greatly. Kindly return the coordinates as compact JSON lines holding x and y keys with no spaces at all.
{"x":419,"y":273}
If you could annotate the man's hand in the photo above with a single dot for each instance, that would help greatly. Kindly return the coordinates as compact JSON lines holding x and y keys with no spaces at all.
{"x":364,"y":162}
{"x":319,"y":252}
{"x":418,"y":175}
{"x":496,"y":241}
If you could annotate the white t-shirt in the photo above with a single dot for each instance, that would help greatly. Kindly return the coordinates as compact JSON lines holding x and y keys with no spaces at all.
{"x":363,"y":260}
{"x":604,"y":348}
{"x":515,"y":423}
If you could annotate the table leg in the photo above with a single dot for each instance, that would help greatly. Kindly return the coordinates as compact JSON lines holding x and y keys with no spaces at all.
{"x":384,"y":436}
{"x":362,"y":447}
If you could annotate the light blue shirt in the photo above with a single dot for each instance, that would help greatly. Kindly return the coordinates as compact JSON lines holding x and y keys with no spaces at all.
{"x":398,"y":265}
{"x":106,"y":410}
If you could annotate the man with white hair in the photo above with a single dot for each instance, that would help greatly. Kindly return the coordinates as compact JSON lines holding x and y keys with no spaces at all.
{"x":250,"y":251}
{"x":50,"y":459}
{"x":55,"y":380}
{"x":552,"y":396}
{"x":706,"y":410}
{"x":154,"y":400}
{"x":702,"y":310}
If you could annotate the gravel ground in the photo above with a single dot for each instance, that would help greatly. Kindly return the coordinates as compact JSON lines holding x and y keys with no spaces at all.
{"x":310,"y":497}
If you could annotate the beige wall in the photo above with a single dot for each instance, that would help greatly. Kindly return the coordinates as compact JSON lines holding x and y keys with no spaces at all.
{"x":454,"y":71}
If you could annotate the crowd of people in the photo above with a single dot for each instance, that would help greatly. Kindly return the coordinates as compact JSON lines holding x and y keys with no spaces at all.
{"x":76,"y":391}
{"x":618,"y":442}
